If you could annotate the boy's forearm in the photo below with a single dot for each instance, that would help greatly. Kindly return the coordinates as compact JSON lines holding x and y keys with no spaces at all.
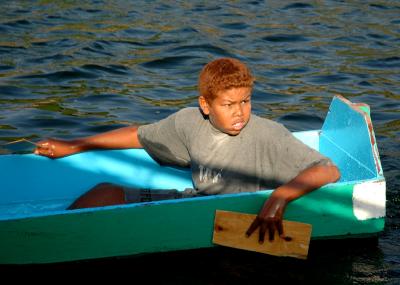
{"x":117,"y":139}
{"x":126,"y":137}
{"x":270,"y":217}
{"x":308,"y":180}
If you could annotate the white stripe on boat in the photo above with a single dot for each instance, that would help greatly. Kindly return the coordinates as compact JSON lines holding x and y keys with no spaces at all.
{"x":369,"y":200}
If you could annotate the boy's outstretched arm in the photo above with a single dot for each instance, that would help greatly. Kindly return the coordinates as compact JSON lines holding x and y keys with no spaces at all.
{"x":271,"y":215}
{"x":125,"y":137}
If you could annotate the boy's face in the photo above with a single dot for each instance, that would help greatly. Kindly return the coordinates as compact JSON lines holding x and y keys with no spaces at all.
{"x":230,"y":111}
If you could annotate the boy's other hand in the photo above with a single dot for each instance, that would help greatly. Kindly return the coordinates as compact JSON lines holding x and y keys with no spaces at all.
{"x":54,"y":148}
{"x":269,"y":219}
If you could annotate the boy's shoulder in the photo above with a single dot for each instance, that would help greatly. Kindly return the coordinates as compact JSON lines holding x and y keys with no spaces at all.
{"x":189,"y":111}
{"x":189,"y":114}
{"x":259,"y":123}
{"x":267,"y":132}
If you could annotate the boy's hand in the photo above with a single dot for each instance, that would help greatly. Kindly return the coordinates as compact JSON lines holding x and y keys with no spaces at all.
{"x":269,"y":219}
{"x":271,"y":215}
{"x":54,"y":148}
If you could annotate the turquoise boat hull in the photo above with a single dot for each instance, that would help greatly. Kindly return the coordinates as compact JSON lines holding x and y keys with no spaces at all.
{"x":35,"y":191}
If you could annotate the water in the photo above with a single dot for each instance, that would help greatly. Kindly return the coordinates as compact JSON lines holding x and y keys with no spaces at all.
{"x":77,"y":68}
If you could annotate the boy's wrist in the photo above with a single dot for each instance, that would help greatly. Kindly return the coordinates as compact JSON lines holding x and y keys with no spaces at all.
{"x":284,"y":193}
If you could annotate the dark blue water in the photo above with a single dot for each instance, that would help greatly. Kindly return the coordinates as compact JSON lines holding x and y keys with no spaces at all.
{"x":77,"y":68}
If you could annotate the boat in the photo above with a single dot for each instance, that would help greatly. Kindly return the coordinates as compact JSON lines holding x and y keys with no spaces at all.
{"x":35,"y":191}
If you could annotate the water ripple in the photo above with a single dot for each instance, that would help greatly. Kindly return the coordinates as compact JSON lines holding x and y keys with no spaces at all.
{"x":234,"y":26}
{"x":168,"y":62}
{"x":328,"y":79}
{"x":389,"y":62}
{"x":60,"y":76}
{"x":199,"y":49}
{"x":298,"y":5}
{"x":278,"y":38}
{"x":112,"y":69}
{"x":49,"y":59}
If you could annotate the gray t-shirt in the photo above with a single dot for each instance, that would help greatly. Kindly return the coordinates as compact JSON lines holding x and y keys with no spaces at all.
{"x":263,"y":156}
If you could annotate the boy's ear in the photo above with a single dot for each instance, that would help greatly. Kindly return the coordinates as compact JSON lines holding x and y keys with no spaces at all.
{"x":204,"y":105}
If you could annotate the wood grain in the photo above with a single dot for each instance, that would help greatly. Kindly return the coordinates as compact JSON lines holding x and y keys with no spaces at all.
{"x":230,"y":229}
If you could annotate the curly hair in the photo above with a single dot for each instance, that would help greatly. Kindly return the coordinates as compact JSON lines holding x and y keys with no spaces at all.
{"x":223,"y":74}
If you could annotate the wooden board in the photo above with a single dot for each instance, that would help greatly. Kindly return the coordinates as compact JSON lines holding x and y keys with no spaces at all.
{"x":230,"y":230}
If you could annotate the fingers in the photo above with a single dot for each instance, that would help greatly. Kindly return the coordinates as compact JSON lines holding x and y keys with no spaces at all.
{"x":267,"y":225}
{"x":271,"y":229}
{"x":271,"y":232}
{"x":253,"y":227}
{"x":261,"y":234}
{"x":45,"y":149}
{"x":270,"y":226}
{"x":264,"y":226}
{"x":279,"y":227}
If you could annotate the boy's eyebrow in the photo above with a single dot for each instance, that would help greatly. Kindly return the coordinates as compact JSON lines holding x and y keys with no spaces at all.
{"x":231,"y":101}
{"x":227,"y":101}
{"x":247,"y":96}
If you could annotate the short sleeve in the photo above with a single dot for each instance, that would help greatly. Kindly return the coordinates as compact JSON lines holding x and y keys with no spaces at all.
{"x":293,"y":156}
{"x":164,"y":142}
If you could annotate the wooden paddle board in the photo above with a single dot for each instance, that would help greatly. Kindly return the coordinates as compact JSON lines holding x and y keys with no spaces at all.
{"x":230,"y":230}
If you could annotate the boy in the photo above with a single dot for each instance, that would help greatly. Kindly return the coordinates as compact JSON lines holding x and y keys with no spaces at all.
{"x":228,"y":149}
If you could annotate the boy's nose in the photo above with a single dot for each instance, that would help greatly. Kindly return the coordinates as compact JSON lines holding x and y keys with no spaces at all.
{"x":238,"y":110}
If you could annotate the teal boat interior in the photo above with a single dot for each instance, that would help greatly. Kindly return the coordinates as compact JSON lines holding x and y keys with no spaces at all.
{"x":35,"y":186}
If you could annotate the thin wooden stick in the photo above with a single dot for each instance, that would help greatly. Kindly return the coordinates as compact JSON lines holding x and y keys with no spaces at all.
{"x":21,"y":140}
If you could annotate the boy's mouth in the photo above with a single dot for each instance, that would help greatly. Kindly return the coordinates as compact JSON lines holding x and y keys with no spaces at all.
{"x":238,"y":126}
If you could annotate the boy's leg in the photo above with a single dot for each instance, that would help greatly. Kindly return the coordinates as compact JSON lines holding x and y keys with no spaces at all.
{"x":106,"y":194}
{"x":103,"y":194}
